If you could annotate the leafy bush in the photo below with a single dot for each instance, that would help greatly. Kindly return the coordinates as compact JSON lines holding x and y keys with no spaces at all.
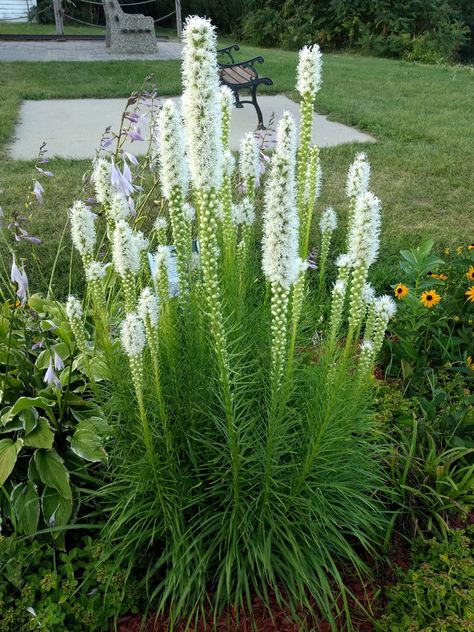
{"x":43,"y":589}
{"x":436,"y":593}
{"x":433,"y":328}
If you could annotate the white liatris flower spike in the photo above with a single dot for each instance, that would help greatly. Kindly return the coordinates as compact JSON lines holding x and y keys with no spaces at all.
{"x":189,"y":212}
{"x":101,"y":177}
{"x":148,"y":307}
{"x":337,"y":305}
{"x":226,"y":100}
{"x":126,"y":249}
{"x":366,"y":357}
{"x":132,"y":335}
{"x":161,"y":265}
{"x":95,"y":271}
{"x":249,"y":163}
{"x":384,"y":309}
{"x":243,"y":213}
{"x":119,"y":208}
{"x":229,"y":164}
{"x":363,"y":249}
{"x":286,"y":137}
{"x":327,"y":225}
{"x":280,"y":259}
{"x":82,"y":229}
{"x":309,"y":70}
{"x":368,"y":293}
{"x":74,"y":315}
{"x":171,"y":153}
{"x":200,"y":102}
{"x":365,"y":231}
{"x":358,"y":176}
{"x":328,"y":221}
{"x":344,"y":262}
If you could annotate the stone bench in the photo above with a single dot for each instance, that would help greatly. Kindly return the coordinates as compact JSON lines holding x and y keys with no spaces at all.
{"x":128,"y":32}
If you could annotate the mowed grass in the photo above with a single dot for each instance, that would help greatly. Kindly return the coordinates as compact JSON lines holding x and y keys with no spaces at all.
{"x":421,"y":116}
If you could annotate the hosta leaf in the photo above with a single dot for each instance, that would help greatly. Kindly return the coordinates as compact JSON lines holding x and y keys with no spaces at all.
{"x":8,"y":453}
{"x":29,"y":418}
{"x":41,"y":437}
{"x":24,"y":403}
{"x":26,"y":506}
{"x":52,"y":472}
{"x":87,"y":444}
{"x":56,"y":509}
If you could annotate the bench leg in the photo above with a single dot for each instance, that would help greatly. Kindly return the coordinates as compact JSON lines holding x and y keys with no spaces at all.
{"x":238,"y":104}
{"x":257,"y":108}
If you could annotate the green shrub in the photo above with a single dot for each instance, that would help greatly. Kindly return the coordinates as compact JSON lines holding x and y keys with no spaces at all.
{"x":46,"y":590}
{"x":436,"y":593}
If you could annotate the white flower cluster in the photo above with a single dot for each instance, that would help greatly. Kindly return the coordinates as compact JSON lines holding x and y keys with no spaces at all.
{"x":309,"y":70}
{"x":162,"y":258}
{"x":161,"y":223}
{"x":101,"y":177}
{"x":249,"y":158}
{"x":226,"y":98}
{"x":133,"y":335}
{"x":200,"y":102}
{"x":280,"y":261}
{"x":73,"y":309}
{"x":364,"y":234}
{"x":368,"y":293}
{"x":328,"y":221}
{"x":82,"y":228}
{"x":286,"y":137}
{"x":126,"y":248}
{"x":228,"y":163}
{"x":95,"y":271}
{"x":344,"y":262}
{"x":339,"y":288}
{"x":171,"y":154}
{"x":385,"y":307}
{"x":148,"y":307}
{"x":119,"y":207}
{"x":189,"y":212}
{"x":358,"y":176}
{"x":243,"y":213}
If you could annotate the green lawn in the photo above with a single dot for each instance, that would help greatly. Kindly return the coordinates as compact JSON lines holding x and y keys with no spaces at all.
{"x":421,"y":116}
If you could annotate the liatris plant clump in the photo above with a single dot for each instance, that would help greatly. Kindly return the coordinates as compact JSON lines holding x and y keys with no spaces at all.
{"x":243,"y":459}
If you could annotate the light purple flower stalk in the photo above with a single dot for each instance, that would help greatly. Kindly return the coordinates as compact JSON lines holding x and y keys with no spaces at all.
{"x":21,"y":280}
{"x":38,"y":191}
{"x":58,"y":362}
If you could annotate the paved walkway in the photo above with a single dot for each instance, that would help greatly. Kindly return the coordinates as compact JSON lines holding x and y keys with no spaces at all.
{"x":78,"y":50}
{"x":73,"y":128}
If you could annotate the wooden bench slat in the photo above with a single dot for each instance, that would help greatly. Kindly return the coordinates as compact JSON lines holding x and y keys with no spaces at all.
{"x":237,"y":74}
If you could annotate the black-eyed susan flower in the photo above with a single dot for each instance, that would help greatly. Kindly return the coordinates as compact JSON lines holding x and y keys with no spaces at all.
{"x":470,"y":363}
{"x":447,"y":251}
{"x":470,"y":273}
{"x":459,"y":250}
{"x":470,"y":294}
{"x":441,"y":276}
{"x":430,"y":298}
{"x":401,"y":291}
{"x":470,"y":247}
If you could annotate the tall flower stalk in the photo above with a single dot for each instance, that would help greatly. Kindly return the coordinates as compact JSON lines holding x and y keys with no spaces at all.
{"x":174,"y":178}
{"x":356,"y":185}
{"x":308,"y":84}
{"x":327,"y":226}
{"x":312,"y":191}
{"x":127,"y":247}
{"x":203,"y":126}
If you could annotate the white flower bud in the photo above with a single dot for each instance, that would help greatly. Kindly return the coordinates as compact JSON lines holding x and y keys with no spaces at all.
{"x":328,"y":221}
{"x":171,"y":154}
{"x":101,"y":177}
{"x":133,"y":335}
{"x":82,"y":228}
{"x":148,"y":307}
{"x":73,"y":308}
{"x":358,"y":176}
{"x":309,"y":70}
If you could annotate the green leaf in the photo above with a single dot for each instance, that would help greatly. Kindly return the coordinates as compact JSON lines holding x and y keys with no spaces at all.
{"x":24,"y":403}
{"x":52,"y":472}
{"x":41,"y":437}
{"x":44,"y":358}
{"x":29,"y":418}
{"x":87,"y":444}
{"x":26,"y":505}
{"x":56,"y":509}
{"x":8,"y":454}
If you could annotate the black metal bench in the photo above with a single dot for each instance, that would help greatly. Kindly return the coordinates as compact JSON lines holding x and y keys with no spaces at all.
{"x":242,"y":75}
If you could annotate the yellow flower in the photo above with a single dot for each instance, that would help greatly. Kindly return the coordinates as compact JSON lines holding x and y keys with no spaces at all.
{"x":470,"y":273}
{"x":441,"y":276}
{"x":470,"y":247}
{"x":430,"y":298}
{"x":470,"y":363}
{"x":447,"y":251}
{"x":470,"y":294}
{"x":459,"y":250}
{"x":401,"y":291}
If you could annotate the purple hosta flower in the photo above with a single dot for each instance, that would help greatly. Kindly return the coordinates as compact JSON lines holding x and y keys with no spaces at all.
{"x":50,"y":376}
{"x":262,"y":164}
{"x":38,"y":345}
{"x":132,"y":158}
{"x":38,"y":191}
{"x":58,"y":362}
{"x":119,"y":181}
{"x":131,"y":116}
{"x":50,"y":174}
{"x":131,"y":203}
{"x":106,"y":142}
{"x":24,"y":235}
{"x":21,"y":280}
{"x":134,"y":135}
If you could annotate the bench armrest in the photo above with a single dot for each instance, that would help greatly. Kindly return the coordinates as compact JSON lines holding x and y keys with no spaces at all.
{"x":227,"y":50}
